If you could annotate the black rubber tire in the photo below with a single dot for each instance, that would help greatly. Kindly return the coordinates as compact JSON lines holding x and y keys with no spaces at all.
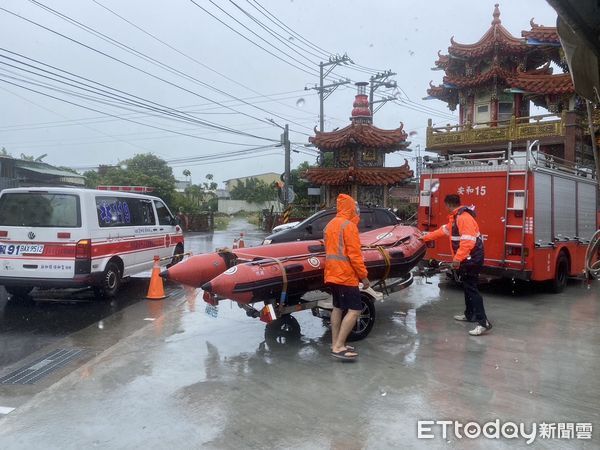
{"x":176,"y":259}
{"x":561,"y":274}
{"x":111,"y":281}
{"x":366,"y":319}
{"x":282,"y":332}
{"x":19,"y":291}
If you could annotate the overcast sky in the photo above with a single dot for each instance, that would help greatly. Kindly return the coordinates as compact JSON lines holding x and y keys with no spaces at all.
{"x":189,"y":96}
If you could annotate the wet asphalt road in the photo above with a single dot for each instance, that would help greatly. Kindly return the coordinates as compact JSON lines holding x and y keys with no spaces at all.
{"x":188,"y":380}
{"x":73,"y":319}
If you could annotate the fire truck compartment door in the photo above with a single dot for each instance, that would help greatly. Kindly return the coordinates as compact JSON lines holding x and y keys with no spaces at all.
{"x":543,"y":208}
{"x":565,"y":208}
{"x":586,"y":209}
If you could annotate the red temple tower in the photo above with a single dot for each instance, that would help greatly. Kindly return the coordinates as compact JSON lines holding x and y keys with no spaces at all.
{"x":359,"y":152}
{"x":494,"y":81}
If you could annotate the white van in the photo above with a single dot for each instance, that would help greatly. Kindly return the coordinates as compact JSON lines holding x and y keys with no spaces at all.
{"x":66,"y":237}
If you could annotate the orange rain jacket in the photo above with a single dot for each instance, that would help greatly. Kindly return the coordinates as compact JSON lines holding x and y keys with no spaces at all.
{"x":344,"y":262}
{"x":468,"y":231}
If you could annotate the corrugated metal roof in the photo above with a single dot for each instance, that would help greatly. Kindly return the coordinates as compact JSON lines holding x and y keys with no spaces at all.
{"x":45,"y":169}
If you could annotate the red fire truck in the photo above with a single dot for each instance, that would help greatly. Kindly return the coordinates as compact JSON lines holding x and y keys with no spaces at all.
{"x":536,"y":213}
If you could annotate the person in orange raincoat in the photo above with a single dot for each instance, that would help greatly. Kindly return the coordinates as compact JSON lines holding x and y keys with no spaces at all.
{"x":467,"y":247}
{"x":344,"y":269}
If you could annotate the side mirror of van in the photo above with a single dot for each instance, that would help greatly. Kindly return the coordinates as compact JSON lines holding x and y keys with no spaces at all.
{"x":175,"y":221}
{"x":309,"y":229}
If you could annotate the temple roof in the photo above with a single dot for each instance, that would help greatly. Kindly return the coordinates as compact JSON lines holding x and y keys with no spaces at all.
{"x":543,"y":83}
{"x":363,"y":134}
{"x":497,"y":58}
{"x":461,"y":81}
{"x":372,"y":176}
{"x":499,"y":38}
{"x":495,"y":37}
{"x":541,"y":34}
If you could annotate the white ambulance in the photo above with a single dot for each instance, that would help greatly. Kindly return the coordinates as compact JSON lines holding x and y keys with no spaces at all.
{"x":66,"y":237}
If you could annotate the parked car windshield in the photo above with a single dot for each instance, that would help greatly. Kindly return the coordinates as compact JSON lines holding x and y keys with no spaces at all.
{"x":39,"y":209}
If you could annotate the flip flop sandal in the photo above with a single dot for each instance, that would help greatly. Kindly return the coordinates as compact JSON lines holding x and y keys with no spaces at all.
{"x":343,"y":355}
{"x":350,"y":348}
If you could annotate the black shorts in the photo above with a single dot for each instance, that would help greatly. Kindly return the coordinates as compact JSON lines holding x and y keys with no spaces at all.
{"x":346,"y":297}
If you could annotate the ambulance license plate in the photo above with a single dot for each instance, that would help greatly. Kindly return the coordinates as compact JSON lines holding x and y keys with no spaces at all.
{"x":21,"y":249}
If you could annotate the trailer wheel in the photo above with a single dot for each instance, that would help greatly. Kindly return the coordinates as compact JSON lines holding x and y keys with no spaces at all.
{"x":366,"y":320}
{"x":282,"y":332}
{"x":560,"y":274}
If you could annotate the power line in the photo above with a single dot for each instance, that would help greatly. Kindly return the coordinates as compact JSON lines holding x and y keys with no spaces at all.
{"x":156,"y":107}
{"x":251,"y":41}
{"x":221,"y":161}
{"x":103,"y":119}
{"x":275,"y":34}
{"x":154,"y":61}
{"x":122,"y":118}
{"x":415,"y":107}
{"x":419,"y":108}
{"x":79,"y":124}
{"x":191,"y":58}
{"x":143,"y":136}
{"x":193,"y":159}
{"x":284,"y":27}
{"x":323,"y":53}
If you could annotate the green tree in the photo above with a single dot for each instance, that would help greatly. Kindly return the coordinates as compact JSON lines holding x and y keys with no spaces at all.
{"x":209,"y":184}
{"x":141,"y":170}
{"x":253,"y":190}
{"x":92,"y":179}
{"x":299,"y":184}
{"x":197,"y":197}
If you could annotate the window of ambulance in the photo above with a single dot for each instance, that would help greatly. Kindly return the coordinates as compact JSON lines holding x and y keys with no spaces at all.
{"x":164,"y":215}
{"x":40,"y":209}
{"x":116,"y":211}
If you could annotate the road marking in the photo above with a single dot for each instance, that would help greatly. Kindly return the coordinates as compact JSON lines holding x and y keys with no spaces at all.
{"x":6,"y":409}
{"x":150,"y":319}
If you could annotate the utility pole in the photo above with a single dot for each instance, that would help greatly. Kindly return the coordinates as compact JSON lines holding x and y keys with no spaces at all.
{"x":286,"y":175}
{"x":419,"y":167}
{"x":326,"y":90}
{"x":377,"y":81}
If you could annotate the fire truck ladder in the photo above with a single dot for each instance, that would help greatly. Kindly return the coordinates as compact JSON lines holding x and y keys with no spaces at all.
{"x":515,"y":209}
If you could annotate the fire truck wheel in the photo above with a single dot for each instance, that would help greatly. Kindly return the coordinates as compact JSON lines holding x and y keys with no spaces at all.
{"x":111,"y":281}
{"x":560,"y":274}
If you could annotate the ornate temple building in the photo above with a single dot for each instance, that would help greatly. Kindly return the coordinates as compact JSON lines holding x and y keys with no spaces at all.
{"x":494,"y":82}
{"x":359,"y":152}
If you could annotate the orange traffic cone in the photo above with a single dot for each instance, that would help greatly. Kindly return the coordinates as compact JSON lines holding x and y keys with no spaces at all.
{"x":156,"y":290}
